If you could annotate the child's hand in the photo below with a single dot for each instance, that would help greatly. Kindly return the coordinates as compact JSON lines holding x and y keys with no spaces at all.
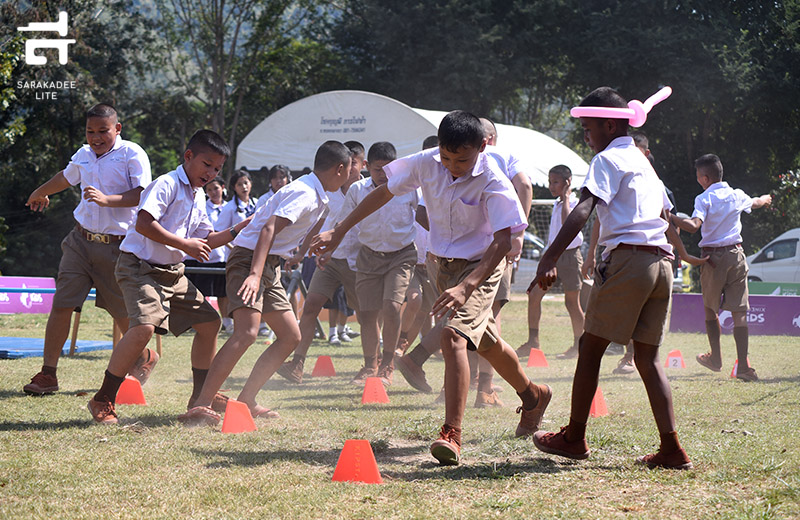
{"x":546,"y":275}
{"x":38,"y":202}
{"x":294,"y":261}
{"x":567,"y":189}
{"x":693,"y":260}
{"x":322,"y":260}
{"x":92,"y":194}
{"x":197,"y":248}
{"x":516,"y":248}
{"x":249,"y":289}
{"x":324,"y":242}
{"x":767,"y":199}
{"x":450,"y":301}
{"x":587,"y":268}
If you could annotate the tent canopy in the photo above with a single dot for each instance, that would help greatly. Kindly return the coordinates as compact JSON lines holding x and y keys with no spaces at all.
{"x":292,"y":134}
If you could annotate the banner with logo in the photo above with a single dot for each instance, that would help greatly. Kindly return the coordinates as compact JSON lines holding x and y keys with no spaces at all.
{"x":26,"y":302}
{"x":768,"y":315}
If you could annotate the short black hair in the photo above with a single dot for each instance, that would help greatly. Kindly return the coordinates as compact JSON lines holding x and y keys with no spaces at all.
{"x":640,"y":138}
{"x":331,"y":154}
{"x":606,"y":97}
{"x":279,"y":169}
{"x":562,"y":171}
{"x":486,"y":128}
{"x":460,"y":128}
{"x":382,"y":151}
{"x":355,"y":148}
{"x":432,"y":141}
{"x":710,"y":165}
{"x":208,"y":141}
{"x":103,"y":110}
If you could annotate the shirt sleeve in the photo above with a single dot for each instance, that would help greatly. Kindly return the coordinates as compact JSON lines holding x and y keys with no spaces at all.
{"x":700,"y":208}
{"x":139,"y":173}
{"x":744,"y":202}
{"x":403,"y":174}
{"x":503,"y":208}
{"x":294,"y":204}
{"x":204,"y":226}
{"x":600,"y":180}
{"x":156,"y":200}
{"x":73,"y":172}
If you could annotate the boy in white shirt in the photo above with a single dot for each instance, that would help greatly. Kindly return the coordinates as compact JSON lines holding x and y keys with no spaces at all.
{"x":717,"y":214}
{"x":384,"y":264}
{"x":253,"y":281}
{"x":112,"y":173}
{"x":633,"y":283}
{"x":471,"y":224}
{"x":171,"y":222}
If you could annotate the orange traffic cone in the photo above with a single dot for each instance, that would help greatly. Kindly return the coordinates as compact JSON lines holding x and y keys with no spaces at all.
{"x":374,"y":392}
{"x":733,"y":372}
{"x":237,"y":418}
{"x":357,"y":463}
{"x":130,"y":392}
{"x":674,"y":360}
{"x":323,"y":367}
{"x":537,"y":359}
{"x":598,"y":408}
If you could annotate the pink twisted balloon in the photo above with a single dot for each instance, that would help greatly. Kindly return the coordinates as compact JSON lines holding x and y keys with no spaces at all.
{"x":636,"y":113}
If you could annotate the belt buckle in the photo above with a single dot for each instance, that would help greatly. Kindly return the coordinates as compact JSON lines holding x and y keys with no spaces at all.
{"x":97,"y":237}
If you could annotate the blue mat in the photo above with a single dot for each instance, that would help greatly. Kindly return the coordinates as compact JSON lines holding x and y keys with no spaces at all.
{"x":15,"y":348}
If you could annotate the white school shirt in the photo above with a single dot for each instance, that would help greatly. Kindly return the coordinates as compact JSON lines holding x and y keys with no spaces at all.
{"x":178,"y":208}
{"x":390,"y":228}
{"x":213,"y":211}
{"x":124,"y":167}
{"x":264,"y":198}
{"x":719,"y":208}
{"x":235,"y":211}
{"x":631,"y":195}
{"x":510,"y":163}
{"x":349,"y":246}
{"x":556,"y":222}
{"x":464,"y":213}
{"x":302,"y":202}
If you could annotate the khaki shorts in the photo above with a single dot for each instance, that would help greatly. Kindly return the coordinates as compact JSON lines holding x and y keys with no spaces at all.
{"x":421,"y":283}
{"x":504,"y":287}
{"x":161,"y":296}
{"x":568,"y":267}
{"x":383,"y":276}
{"x":85,"y":265}
{"x":726,"y":281}
{"x":474,"y":321}
{"x":337,"y":273}
{"x":630,"y":297}
{"x":271,"y":295}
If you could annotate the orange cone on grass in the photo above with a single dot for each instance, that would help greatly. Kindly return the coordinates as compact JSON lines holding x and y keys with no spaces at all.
{"x":238,"y":418}
{"x":357,"y":463}
{"x":736,"y":367}
{"x":598,"y":408}
{"x":674,"y":360}
{"x":374,"y":392}
{"x":130,"y":392}
{"x":323,"y":367}
{"x":536,"y":358}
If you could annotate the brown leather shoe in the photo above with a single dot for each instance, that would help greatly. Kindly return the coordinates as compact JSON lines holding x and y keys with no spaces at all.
{"x":531,"y":420}
{"x":675,"y":460}
{"x":292,"y":371}
{"x":41,"y":384}
{"x":747,"y":374}
{"x":200,"y":416}
{"x":706,"y":361}
{"x":447,"y":448}
{"x":141,"y":369}
{"x":361,"y":378}
{"x":385,"y":374}
{"x":557,"y":444}
{"x":102,"y":412}
{"x":488,"y":400}
{"x":413,"y":373}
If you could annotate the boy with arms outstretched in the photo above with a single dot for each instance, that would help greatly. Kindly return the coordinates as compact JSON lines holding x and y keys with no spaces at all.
{"x":632,"y":288}
{"x":112,"y":173}
{"x":254,"y":285}
{"x":171,"y":222}
{"x":471,"y":222}
{"x":717,"y":214}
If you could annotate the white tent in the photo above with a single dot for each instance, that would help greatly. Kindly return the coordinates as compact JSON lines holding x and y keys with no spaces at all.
{"x":292,"y":135}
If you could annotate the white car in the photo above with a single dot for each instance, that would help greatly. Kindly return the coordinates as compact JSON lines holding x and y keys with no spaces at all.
{"x":778,"y":261}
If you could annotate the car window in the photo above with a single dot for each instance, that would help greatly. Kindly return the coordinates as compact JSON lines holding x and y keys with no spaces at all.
{"x":777,"y":251}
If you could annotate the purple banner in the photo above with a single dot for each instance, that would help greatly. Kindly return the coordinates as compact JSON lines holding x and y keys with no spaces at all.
{"x":26,"y":302}
{"x":768,"y":315}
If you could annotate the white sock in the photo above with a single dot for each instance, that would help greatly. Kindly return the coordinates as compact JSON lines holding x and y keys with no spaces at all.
{"x":331,"y":331}
{"x":227,"y":322}
{"x":340,"y":329}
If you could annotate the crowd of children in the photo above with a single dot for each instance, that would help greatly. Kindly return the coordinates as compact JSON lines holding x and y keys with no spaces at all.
{"x":377,"y":245}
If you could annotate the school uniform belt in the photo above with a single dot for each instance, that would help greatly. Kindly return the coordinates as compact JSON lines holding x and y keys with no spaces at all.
{"x":443,"y":260}
{"x":98,"y":237}
{"x":722,"y":248}
{"x":647,"y":249}
{"x":387,"y":253}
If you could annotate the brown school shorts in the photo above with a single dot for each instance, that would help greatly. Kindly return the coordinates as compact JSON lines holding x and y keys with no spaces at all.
{"x":161,"y":296}
{"x":383,"y":276}
{"x":568,"y":267}
{"x":422,"y":284}
{"x":271,"y":295}
{"x":474,"y":321}
{"x":336,"y":273}
{"x":724,"y":286}
{"x":85,"y":265}
{"x":630,"y":297}
{"x":504,"y":287}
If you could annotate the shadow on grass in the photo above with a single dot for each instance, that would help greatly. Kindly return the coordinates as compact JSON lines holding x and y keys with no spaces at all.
{"x":467,"y":470}
{"x":9,"y":426}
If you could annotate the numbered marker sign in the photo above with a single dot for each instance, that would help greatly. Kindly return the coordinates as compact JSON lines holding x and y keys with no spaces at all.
{"x":674,"y":360}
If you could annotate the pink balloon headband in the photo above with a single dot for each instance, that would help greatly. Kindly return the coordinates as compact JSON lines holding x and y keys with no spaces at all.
{"x":636,"y":113}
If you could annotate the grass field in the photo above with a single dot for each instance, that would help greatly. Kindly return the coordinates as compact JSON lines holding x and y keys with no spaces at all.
{"x":56,"y":464}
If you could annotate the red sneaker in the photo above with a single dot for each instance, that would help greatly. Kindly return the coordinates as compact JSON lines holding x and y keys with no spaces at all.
{"x":102,"y":412}
{"x":675,"y":460}
{"x":531,"y":420}
{"x":447,"y":448}
{"x":557,"y":444}
{"x":142,"y":369}
{"x":41,"y":384}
